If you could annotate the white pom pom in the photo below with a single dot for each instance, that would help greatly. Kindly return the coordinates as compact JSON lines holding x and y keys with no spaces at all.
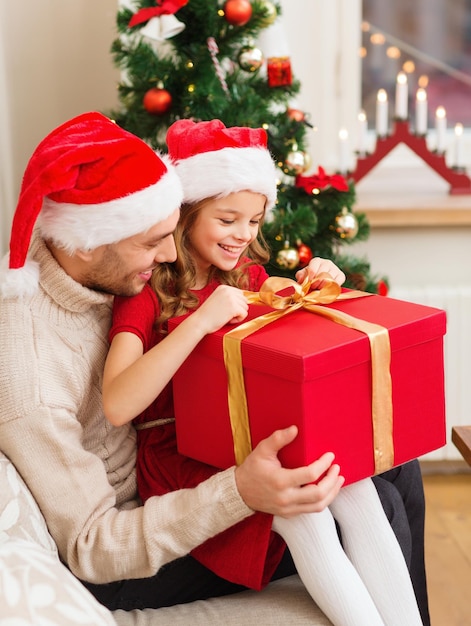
{"x":18,"y":282}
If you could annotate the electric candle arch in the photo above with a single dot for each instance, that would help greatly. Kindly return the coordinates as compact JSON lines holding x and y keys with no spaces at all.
{"x":456,"y":175}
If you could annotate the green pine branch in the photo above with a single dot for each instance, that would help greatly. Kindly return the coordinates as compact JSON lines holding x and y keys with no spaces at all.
{"x":184,"y":67}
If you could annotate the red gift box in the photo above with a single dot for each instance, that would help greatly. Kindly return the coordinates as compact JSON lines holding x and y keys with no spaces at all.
{"x":279,"y":72}
{"x":306,"y":370}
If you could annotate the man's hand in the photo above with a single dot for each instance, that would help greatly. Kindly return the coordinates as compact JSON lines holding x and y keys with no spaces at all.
{"x":266,"y":486}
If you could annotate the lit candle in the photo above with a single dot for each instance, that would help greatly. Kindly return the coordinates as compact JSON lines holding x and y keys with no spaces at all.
{"x":458,"y":146}
{"x":362,"y":133}
{"x":401,"y":96}
{"x":421,"y":112}
{"x":343,"y":144}
{"x":440,"y":127}
{"x":382,"y":113}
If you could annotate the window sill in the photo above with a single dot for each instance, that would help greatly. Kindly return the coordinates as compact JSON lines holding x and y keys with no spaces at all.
{"x":405,"y":197}
{"x":404,"y":216}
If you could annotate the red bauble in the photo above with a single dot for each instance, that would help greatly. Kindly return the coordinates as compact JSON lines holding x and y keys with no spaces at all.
{"x":157,"y":101}
{"x":237,"y":12}
{"x":383,"y":288}
{"x":296,"y":115}
{"x":305,"y":254}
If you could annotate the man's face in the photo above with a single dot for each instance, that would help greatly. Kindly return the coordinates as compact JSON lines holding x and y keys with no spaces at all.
{"x":123,"y":268}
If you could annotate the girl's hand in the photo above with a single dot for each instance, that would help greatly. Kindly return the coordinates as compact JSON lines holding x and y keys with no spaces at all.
{"x":318,"y":266}
{"x":225,"y":305}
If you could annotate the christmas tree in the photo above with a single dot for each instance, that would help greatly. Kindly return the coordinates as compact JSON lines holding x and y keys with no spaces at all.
{"x":205,"y":59}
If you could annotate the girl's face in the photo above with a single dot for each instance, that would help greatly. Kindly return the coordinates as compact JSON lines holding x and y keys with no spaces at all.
{"x":224,"y":228}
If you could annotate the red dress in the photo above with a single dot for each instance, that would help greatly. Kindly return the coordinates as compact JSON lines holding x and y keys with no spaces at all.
{"x":247,"y":553}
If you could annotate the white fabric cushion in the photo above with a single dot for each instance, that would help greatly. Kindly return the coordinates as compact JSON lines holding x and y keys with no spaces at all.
{"x":20,"y":517}
{"x":37,"y":589}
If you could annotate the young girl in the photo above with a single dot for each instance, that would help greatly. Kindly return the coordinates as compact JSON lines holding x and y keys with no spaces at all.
{"x":229,"y":183}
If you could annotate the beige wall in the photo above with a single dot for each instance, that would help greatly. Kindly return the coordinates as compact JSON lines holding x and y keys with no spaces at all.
{"x":57,"y":64}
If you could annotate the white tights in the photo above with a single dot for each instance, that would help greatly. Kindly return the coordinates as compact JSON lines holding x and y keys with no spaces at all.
{"x":366,"y":583}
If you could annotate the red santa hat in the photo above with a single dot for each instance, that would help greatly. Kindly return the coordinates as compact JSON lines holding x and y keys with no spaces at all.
{"x":88,"y":183}
{"x":215,"y":161}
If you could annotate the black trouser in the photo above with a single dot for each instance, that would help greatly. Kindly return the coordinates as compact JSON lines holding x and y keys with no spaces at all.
{"x":178,"y":582}
{"x":186,"y":580}
{"x":402,"y":496}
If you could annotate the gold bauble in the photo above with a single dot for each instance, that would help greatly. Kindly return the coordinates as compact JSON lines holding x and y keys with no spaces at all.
{"x":307,"y":161}
{"x":250,"y":58}
{"x":296,"y":162}
{"x":270,"y":14}
{"x":288,"y":257}
{"x":346,"y":224}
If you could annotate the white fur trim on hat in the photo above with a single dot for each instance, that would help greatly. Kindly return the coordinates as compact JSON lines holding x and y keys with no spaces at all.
{"x":88,"y":226}
{"x":219,"y":173}
{"x":22,"y":281}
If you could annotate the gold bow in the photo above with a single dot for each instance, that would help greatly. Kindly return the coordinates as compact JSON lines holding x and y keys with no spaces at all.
{"x":313,"y":301}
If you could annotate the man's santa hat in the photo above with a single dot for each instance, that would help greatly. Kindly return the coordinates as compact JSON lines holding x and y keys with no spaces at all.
{"x":215,"y":161}
{"x":88,"y":183}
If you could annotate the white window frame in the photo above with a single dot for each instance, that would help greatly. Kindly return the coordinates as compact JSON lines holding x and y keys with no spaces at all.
{"x":324,"y":38}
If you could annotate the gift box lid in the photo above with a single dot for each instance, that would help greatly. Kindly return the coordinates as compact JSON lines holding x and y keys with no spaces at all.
{"x":302,"y":345}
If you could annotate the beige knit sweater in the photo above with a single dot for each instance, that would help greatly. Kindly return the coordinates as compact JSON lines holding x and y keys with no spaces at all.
{"x":79,"y":468}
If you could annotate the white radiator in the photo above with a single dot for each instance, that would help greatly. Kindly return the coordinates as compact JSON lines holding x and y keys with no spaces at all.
{"x":456,"y":301}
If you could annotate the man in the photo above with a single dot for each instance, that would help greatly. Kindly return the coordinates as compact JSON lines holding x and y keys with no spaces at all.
{"x":96,"y":213}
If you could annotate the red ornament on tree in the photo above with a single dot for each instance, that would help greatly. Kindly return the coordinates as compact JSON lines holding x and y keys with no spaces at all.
{"x":157,"y":101}
{"x":383,"y":288}
{"x":296,"y":115}
{"x":279,"y":72}
{"x":299,"y":116}
{"x":237,"y":12}
{"x":305,"y":254}
{"x":165,"y":7}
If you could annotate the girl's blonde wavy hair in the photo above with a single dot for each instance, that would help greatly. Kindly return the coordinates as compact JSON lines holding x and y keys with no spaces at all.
{"x":172,"y":281}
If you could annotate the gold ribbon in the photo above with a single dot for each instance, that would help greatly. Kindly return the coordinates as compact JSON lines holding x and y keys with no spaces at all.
{"x":301,"y":298}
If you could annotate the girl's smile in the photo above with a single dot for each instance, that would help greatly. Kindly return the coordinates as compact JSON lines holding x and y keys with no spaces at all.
{"x":223,"y":230}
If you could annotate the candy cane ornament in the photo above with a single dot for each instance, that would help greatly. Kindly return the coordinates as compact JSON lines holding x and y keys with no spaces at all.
{"x":213,"y":51}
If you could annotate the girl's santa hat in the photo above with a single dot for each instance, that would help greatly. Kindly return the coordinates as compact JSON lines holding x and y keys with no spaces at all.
{"x":215,"y":161}
{"x":88,"y":183}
